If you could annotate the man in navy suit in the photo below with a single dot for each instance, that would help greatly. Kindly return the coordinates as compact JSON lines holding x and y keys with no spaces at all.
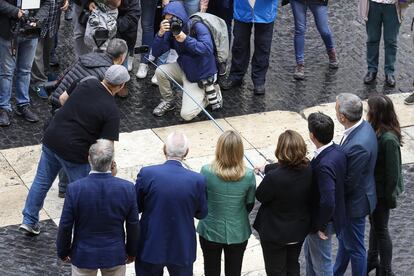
{"x":97,"y":207}
{"x":328,"y":200}
{"x":359,"y":142}
{"x":169,"y":198}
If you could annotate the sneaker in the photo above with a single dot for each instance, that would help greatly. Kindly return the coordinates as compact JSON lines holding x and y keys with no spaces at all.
{"x":4,"y":117}
{"x":390,"y":80}
{"x":333,"y":60}
{"x":163,"y":108}
{"x":370,"y":77}
{"x":130,"y":63}
{"x":299,"y":72}
{"x":154,"y":80}
{"x":142,"y":71}
{"x":30,"y":229}
{"x":409,"y":100}
{"x":229,"y":83}
{"x":40,"y":92}
{"x":26,"y":112}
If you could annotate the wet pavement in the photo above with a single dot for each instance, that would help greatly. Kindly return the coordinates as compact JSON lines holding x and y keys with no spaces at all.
{"x":282,"y":91}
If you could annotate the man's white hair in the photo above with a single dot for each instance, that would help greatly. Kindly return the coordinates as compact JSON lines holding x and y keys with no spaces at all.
{"x":176,"y":145}
{"x":350,"y":105}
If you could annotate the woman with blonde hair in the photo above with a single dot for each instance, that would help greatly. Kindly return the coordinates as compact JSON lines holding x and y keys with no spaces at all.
{"x":283,"y":220}
{"x":230,"y":192}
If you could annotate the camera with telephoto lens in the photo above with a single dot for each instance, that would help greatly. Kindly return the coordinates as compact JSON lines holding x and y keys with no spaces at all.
{"x":176,"y":25}
{"x":211,"y":93}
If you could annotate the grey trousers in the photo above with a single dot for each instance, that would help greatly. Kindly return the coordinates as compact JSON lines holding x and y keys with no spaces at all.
{"x":41,"y":67}
{"x":79,"y":32}
{"x":119,"y":270}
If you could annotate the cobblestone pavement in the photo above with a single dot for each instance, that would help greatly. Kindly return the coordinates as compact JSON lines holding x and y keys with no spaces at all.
{"x":283,"y":93}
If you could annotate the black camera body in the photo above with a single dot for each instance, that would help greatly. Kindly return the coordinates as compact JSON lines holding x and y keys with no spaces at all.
{"x":176,"y":25}
{"x":27,"y":26}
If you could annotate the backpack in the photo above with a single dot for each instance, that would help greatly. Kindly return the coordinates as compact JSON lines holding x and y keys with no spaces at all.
{"x":219,"y":35}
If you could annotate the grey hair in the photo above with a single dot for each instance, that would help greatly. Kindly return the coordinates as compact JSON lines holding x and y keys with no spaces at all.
{"x":101,"y":155}
{"x":176,"y":145}
{"x":116,"y":47}
{"x":350,"y":105}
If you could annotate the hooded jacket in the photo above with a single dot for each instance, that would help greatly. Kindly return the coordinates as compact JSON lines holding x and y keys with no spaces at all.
{"x":255,"y":11}
{"x":196,"y":53}
{"x":92,"y":64}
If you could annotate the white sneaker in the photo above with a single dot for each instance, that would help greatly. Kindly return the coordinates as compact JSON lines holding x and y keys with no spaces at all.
{"x":154,"y":80}
{"x":130,"y":63}
{"x":142,"y":71}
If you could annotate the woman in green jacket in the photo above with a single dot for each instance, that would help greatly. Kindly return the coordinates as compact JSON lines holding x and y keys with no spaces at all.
{"x":231,"y":189}
{"x":388,"y":178}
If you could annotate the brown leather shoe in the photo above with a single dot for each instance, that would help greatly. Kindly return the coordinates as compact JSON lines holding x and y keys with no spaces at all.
{"x":123,"y":93}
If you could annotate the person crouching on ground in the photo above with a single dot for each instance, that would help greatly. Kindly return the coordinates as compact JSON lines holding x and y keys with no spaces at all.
{"x":195,"y":68}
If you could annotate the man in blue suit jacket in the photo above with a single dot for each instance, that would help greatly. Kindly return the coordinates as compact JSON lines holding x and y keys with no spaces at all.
{"x":328,"y":201}
{"x":97,"y":207}
{"x":169,"y":198}
{"x":359,"y":142}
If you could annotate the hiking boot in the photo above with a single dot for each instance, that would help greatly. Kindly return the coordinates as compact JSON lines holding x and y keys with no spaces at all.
{"x":29,"y":229}
{"x":26,"y":112}
{"x":229,"y":83}
{"x":4,"y":117}
{"x":142,"y":71}
{"x":163,"y":108}
{"x":370,"y":77}
{"x":333,"y":60}
{"x":409,"y":100}
{"x":299,"y":72}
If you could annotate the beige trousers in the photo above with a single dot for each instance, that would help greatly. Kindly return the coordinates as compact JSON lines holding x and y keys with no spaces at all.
{"x":119,"y":270}
{"x":189,"y":109}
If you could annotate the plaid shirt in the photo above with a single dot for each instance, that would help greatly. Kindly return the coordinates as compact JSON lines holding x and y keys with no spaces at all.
{"x":51,"y":24}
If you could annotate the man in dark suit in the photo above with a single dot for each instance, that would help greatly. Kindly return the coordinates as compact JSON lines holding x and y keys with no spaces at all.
{"x":328,"y":200}
{"x":359,"y":142}
{"x":169,"y":197}
{"x":97,"y":207}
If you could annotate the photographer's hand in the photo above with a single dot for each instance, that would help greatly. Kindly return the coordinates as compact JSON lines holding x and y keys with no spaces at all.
{"x":164,"y":27}
{"x":180,"y":37}
{"x":92,"y":6}
{"x":165,"y":2}
{"x":20,"y":14}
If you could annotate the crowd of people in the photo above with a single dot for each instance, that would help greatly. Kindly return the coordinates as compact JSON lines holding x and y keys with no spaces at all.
{"x":108,"y":222}
{"x":189,"y":41}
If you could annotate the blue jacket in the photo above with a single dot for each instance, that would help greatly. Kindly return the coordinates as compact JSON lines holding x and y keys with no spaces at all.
{"x":97,"y":207}
{"x":361,"y":151}
{"x":263,"y":11}
{"x":169,"y":197}
{"x":196,"y":54}
{"x":329,"y":172}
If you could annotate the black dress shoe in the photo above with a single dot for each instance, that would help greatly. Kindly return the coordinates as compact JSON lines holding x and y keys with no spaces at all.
{"x":4,"y":117}
{"x":390,"y":80}
{"x":228,"y":84}
{"x":26,"y":112}
{"x":370,"y":77}
{"x":259,"y":90}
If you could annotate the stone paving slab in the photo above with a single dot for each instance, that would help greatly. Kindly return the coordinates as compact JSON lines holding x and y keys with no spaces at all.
{"x":8,"y":177}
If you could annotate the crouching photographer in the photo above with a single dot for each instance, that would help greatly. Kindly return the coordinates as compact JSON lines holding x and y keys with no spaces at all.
{"x":195,"y":68}
{"x":20,"y":23}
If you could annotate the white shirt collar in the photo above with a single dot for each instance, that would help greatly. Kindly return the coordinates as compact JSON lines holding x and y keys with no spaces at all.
{"x":92,"y":171}
{"x":318,"y":151}
{"x":348,"y":131}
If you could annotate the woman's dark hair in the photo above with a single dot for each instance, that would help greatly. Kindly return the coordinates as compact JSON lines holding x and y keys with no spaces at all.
{"x":382,"y":116}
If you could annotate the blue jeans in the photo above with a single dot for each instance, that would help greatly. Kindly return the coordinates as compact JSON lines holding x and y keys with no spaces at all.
{"x":352,"y":248}
{"x":320,"y":13}
{"x":148,"y":8}
{"x":20,"y":66}
{"x":318,"y":253}
{"x":382,"y":16}
{"x":48,"y":168}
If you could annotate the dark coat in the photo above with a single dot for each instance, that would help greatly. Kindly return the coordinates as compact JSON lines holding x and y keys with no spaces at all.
{"x":196,"y":54}
{"x":127,"y":23}
{"x":360,"y":148}
{"x":169,"y":198}
{"x":285,"y":194}
{"x":8,"y":15}
{"x":97,"y":206}
{"x":91,"y":64}
{"x":328,"y":201}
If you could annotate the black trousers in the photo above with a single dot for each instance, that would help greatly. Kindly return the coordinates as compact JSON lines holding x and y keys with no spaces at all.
{"x":379,"y":237}
{"x":233,"y":257}
{"x":263,"y":33}
{"x":281,"y":259}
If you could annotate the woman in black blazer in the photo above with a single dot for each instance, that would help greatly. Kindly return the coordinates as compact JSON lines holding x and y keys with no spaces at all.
{"x":284,"y":218}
